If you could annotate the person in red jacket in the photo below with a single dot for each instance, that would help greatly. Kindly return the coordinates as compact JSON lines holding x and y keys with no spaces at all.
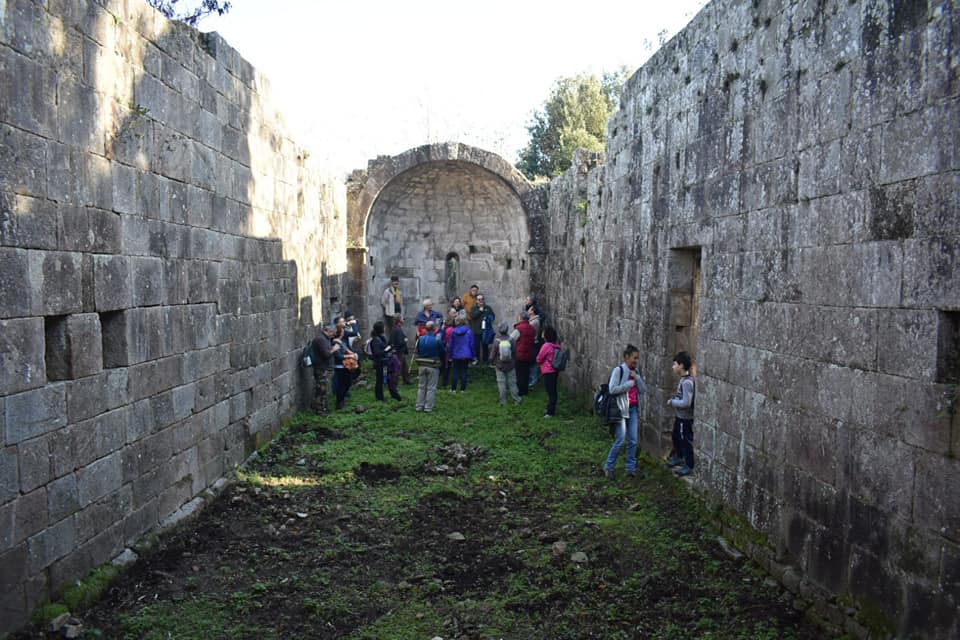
{"x":526,"y":336}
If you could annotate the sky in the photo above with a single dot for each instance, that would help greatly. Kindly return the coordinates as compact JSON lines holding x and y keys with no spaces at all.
{"x":355,"y":79}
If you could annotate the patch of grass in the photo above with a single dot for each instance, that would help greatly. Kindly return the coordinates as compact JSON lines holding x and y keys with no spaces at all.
{"x":83,"y":593}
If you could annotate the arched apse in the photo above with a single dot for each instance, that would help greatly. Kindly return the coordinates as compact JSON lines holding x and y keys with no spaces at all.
{"x":408,"y":214}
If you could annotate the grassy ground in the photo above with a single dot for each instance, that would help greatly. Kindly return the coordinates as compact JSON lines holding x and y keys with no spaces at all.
{"x":469,"y":522}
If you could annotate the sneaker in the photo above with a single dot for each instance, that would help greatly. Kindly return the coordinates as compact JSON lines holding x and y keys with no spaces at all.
{"x":547,"y":415}
{"x":682,"y":471}
{"x":636,"y":474}
{"x":418,"y":409}
{"x":608,"y":473}
{"x":674,"y":462}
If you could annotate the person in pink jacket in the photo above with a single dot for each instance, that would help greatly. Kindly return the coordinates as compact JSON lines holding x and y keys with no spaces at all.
{"x":545,"y":359}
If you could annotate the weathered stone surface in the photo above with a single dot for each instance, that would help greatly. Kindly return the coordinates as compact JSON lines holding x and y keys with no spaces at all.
{"x":21,"y":355}
{"x":112,"y":285}
{"x":51,"y":544}
{"x":99,"y":478}
{"x":63,"y":498}
{"x":9,"y":478}
{"x":35,"y":463}
{"x":34,"y":413}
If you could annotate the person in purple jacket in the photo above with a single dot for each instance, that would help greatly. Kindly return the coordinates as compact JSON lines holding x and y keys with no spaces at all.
{"x":462,"y":353}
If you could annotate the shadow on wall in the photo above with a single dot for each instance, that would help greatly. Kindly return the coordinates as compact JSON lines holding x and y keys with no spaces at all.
{"x":150,"y":341}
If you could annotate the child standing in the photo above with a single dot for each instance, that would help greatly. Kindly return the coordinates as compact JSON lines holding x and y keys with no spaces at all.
{"x":683,"y":402}
{"x":551,"y":343}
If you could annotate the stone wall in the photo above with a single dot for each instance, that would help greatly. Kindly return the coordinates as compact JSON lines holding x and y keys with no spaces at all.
{"x":164,"y":250}
{"x":779,"y":195}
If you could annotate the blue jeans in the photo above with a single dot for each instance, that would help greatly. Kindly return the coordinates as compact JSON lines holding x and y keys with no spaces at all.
{"x":626,"y":430}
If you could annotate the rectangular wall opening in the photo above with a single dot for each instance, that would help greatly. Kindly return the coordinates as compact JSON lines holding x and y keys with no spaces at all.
{"x":684,"y":284}
{"x":56,"y":348}
{"x":948,"y":347}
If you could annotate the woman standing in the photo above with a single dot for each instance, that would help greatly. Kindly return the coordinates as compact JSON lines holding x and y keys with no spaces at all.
{"x":462,"y":352}
{"x":551,"y":342}
{"x":627,"y":386}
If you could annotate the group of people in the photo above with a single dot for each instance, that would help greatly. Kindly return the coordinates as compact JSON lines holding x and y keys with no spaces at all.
{"x":447,"y":345}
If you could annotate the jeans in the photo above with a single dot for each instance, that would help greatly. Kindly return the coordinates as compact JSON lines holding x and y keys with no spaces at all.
{"x":625,"y":430}
{"x":459,"y":373}
{"x":683,"y":440}
{"x":478,"y":350}
{"x":507,"y":380}
{"x":427,"y":390}
{"x":550,"y":384}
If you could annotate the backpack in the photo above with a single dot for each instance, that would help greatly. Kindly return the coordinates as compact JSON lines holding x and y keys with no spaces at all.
{"x":367,"y":349}
{"x":506,"y":350}
{"x":606,"y":407}
{"x":306,"y":356}
{"x":560,"y":359}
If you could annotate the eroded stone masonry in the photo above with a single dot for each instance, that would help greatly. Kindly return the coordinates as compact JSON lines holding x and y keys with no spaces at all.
{"x":778,"y":196}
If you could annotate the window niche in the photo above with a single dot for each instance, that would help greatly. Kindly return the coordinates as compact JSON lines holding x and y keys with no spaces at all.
{"x":451,"y":276}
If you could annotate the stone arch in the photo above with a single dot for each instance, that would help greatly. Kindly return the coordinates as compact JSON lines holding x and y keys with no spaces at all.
{"x":403,"y":216}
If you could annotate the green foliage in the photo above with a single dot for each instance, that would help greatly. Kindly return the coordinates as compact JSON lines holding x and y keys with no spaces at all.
{"x":48,"y":612}
{"x":83,"y":593}
{"x":191,"y":14}
{"x":574,"y":116}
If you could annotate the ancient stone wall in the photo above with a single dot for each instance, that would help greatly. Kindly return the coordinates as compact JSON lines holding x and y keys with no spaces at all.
{"x":779,"y":196}
{"x":164,"y":250}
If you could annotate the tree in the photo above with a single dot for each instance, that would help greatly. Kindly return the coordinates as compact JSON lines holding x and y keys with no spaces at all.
{"x":574,"y":116}
{"x":190,"y":16}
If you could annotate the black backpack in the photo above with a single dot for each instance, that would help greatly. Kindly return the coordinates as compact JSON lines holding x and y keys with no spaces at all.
{"x":606,"y":407}
{"x":306,"y":356}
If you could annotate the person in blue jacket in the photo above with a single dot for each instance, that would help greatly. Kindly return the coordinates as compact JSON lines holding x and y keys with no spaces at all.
{"x":462,"y":353}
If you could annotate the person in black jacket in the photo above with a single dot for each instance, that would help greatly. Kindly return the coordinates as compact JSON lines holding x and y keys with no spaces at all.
{"x":398,"y":340}
{"x":379,"y":351}
{"x":322,"y":363}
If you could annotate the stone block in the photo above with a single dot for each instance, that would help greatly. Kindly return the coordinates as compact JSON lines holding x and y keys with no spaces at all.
{"x":86,"y":357}
{"x":17,"y":296}
{"x":184,"y":400}
{"x":140,"y":521}
{"x":176,"y":278}
{"x":35,"y":462}
{"x":174,"y":154}
{"x":937,"y":493}
{"x":29,"y":515}
{"x":28,"y":223}
{"x":33,"y":413}
{"x":93,"y":395}
{"x":105,"y":513}
{"x":9,"y":475}
{"x":58,"y":277}
{"x":51,"y":544}
{"x":13,"y":568}
{"x":124,"y":189}
{"x":112,"y":285}
{"x":812,"y":446}
{"x":148,"y":284}
{"x":99,"y":478}
{"x":22,"y":162}
{"x":98,"y":183}
{"x":104,"y":231}
{"x":173,"y":200}
{"x":21,"y":355}
{"x":931,"y":273}
{"x":135,"y":235}
{"x":920,"y":143}
{"x":63,"y":497}
{"x":880,"y":471}
{"x":908,"y":343}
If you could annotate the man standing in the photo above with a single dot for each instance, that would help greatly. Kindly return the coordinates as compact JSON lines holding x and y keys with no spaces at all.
{"x":322,"y":357}
{"x":481,"y":324}
{"x":429,"y":356}
{"x":470,"y":299}
{"x":392,"y":303}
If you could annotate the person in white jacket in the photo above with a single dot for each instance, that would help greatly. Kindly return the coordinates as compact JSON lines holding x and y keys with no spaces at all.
{"x":627,"y":386}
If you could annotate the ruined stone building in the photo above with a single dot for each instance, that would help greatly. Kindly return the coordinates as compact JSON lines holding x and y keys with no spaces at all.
{"x":778,"y":196}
